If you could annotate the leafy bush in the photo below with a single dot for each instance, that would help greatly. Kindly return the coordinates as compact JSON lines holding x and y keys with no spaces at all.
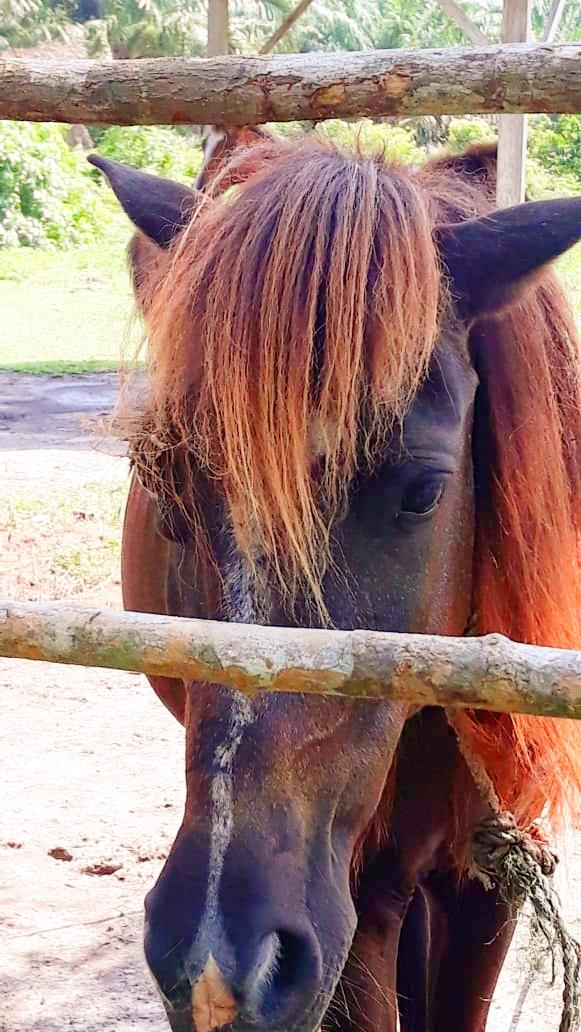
{"x":395,"y":141}
{"x":554,"y":151}
{"x":162,"y":152}
{"x":464,"y":131}
{"x":50,"y":195}
{"x":555,"y":141}
{"x":47,"y":195}
{"x":543,"y":184}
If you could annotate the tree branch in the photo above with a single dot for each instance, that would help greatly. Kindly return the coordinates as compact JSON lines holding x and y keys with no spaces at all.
{"x":252,"y":90}
{"x":490,"y":673}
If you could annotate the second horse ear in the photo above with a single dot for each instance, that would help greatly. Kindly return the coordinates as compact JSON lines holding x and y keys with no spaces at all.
{"x":147,"y":266}
{"x":158,"y":207}
{"x":489,"y":260}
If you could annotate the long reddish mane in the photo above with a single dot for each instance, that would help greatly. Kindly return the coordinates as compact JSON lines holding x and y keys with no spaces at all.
{"x":240,"y":375}
{"x":527,"y":581}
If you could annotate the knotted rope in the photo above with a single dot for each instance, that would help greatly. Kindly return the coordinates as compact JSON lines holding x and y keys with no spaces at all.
{"x":520,"y":863}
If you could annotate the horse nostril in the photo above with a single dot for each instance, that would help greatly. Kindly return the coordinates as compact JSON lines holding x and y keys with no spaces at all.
{"x":296,"y":970}
{"x":290,"y":958}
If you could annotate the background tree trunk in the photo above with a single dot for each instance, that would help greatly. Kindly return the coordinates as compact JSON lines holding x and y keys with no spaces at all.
{"x":79,"y":136}
{"x":217,"y":27}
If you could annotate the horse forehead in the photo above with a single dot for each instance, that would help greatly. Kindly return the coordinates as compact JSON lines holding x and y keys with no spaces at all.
{"x":445,"y":398}
{"x":442,"y":402}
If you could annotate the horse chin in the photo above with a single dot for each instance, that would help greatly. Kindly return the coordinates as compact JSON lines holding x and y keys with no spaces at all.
{"x":182,"y":1021}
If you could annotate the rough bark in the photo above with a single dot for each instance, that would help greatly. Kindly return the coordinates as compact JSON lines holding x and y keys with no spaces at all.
{"x":485,"y":673}
{"x":251,"y":90}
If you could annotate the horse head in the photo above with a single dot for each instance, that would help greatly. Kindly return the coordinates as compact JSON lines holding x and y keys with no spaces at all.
{"x":218,"y":145}
{"x":319,"y":377}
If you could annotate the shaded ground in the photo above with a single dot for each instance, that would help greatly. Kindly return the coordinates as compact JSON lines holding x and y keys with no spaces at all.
{"x":48,"y":412}
{"x":92,"y":766}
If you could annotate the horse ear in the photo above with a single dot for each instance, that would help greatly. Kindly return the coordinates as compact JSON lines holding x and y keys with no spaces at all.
{"x":158,"y":207}
{"x":490,"y":259}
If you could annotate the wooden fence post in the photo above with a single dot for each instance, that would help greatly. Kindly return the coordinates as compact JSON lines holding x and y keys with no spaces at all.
{"x":217,"y":28}
{"x":512,"y":129}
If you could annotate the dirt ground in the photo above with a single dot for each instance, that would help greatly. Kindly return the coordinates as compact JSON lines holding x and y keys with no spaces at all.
{"x":63,"y":489}
{"x":92,"y":765}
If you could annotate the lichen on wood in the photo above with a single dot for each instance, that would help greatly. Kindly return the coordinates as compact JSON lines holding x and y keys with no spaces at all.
{"x":490,"y":673}
{"x":518,"y":78}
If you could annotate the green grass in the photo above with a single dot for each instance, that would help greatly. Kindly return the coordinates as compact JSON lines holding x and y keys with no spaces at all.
{"x":99,"y":499}
{"x":70,"y":311}
{"x":67,"y":311}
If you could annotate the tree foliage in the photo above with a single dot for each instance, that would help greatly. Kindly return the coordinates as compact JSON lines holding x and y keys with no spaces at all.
{"x":394,"y":142}
{"x":47,"y":197}
{"x":159,"y":151}
{"x":26,"y":23}
{"x":146,"y":28}
{"x":555,"y":140}
{"x":47,"y":194}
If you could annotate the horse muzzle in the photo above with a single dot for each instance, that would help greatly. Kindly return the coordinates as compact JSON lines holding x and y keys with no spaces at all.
{"x":276,"y":985}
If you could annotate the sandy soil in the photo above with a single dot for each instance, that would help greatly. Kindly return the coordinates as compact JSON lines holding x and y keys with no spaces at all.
{"x":92,"y":785}
{"x":92,"y":770}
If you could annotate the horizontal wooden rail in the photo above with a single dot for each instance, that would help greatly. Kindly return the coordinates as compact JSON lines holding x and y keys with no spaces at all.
{"x":483,"y":673}
{"x":521,"y":78}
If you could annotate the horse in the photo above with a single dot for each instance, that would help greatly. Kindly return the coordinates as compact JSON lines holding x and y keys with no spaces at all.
{"x":363,"y":411}
{"x":218,"y":146}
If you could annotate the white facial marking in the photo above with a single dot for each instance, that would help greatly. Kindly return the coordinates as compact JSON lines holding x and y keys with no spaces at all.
{"x":222,"y":796}
{"x":239,"y":592}
{"x":239,"y":599}
{"x":212,"y":1003}
{"x":210,"y":142}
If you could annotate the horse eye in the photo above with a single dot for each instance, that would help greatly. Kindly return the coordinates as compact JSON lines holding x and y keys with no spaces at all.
{"x":421,"y":499}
